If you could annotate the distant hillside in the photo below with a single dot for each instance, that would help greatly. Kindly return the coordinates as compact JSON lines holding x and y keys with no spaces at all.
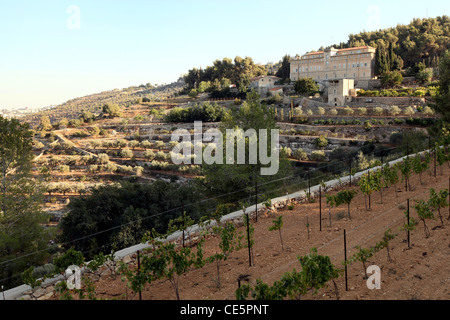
{"x":93,"y":103}
{"x":423,"y":40}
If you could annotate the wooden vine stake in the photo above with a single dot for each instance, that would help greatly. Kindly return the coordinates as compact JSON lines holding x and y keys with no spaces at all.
{"x":248,"y":238}
{"x":139,"y":270}
{"x":345,"y":259}
{"x":409,"y":235}
{"x":320,"y":208}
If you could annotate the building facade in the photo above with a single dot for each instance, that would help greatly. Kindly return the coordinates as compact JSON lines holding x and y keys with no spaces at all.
{"x":340,"y":92}
{"x":356,"y":63}
{"x":264,"y":83}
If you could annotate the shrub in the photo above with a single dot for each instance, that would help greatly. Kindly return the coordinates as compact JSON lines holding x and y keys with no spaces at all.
{"x":300,"y":154}
{"x":126,"y":153}
{"x":427,"y":111}
{"x":394,"y":110}
{"x":348,"y":111}
{"x":321,"y":142}
{"x":317,"y":155}
{"x":362,"y":111}
{"x":378,"y":111}
{"x":408,"y":111}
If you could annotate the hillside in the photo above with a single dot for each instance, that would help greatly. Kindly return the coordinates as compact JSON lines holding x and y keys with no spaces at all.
{"x":419,"y":272}
{"x":73,"y":108}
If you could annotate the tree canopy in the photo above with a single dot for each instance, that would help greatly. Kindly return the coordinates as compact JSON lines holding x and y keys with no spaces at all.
{"x":126,"y":212}
{"x":21,"y":233}
{"x":238,"y":72}
{"x":422,"y":40}
{"x":225,"y":178}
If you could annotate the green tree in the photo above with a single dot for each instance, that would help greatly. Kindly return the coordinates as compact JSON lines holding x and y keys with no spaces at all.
{"x":391,"y":79}
{"x":227,"y":178}
{"x":45,"y":123}
{"x":284,"y":72}
{"x":124,"y":204}
{"x":305,"y":86}
{"x":345,"y":197}
{"x":321,"y":142}
{"x":112,"y":110}
{"x":86,"y":116}
{"x":22,"y":237}
{"x":442,"y":98}
{"x":381,"y":60}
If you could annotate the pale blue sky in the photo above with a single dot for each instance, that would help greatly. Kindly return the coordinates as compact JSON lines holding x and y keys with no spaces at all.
{"x":46,"y":59}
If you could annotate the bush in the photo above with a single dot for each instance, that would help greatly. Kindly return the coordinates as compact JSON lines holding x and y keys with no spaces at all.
{"x":321,"y":142}
{"x":207,"y":113}
{"x":419,"y":93}
{"x":300,"y":154}
{"x":317,"y":155}
{"x":126,"y":153}
{"x":394,"y":110}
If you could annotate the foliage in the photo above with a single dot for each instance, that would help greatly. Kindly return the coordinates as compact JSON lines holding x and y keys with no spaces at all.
{"x":127,"y":211}
{"x":305,"y":86}
{"x":391,"y":79}
{"x":424,"y":211}
{"x":344,"y":197}
{"x":206,"y":113}
{"x":67,"y":259}
{"x":277,"y":225}
{"x":21,"y":196}
{"x":225,"y":178}
{"x":111,"y":110}
{"x":442,"y":98}
{"x":317,"y":271}
{"x":438,"y":200}
{"x":238,"y":72}
{"x":284,"y":72}
{"x":420,"y":40}
{"x":321,"y":142}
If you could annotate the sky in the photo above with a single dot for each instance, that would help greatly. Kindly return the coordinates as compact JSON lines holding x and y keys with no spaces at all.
{"x":55,"y":50}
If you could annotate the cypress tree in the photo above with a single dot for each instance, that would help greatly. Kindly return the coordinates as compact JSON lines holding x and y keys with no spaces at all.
{"x":381,"y":61}
{"x":392,"y":56}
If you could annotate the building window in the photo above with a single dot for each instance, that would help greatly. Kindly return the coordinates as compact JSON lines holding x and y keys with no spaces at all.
{"x":353,"y":65}
{"x":326,"y":76}
{"x":365,"y":64}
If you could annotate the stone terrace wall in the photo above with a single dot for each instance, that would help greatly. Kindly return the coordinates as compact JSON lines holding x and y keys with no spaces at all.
{"x":390,"y":101}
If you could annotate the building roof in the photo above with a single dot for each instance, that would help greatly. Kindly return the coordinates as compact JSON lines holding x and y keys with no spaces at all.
{"x":275,"y":88}
{"x":264,"y":76}
{"x":339,"y":50}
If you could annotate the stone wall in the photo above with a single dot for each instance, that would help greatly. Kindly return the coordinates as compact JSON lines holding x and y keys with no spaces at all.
{"x":388,"y":101}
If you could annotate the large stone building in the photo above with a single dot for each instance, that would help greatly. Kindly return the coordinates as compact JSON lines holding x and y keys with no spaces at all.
{"x":333,"y":64}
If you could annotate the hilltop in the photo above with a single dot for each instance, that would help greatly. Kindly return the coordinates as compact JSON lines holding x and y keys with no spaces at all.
{"x":93,"y":103}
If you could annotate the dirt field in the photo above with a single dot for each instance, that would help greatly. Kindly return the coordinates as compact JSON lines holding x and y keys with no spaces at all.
{"x":421,"y":272}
